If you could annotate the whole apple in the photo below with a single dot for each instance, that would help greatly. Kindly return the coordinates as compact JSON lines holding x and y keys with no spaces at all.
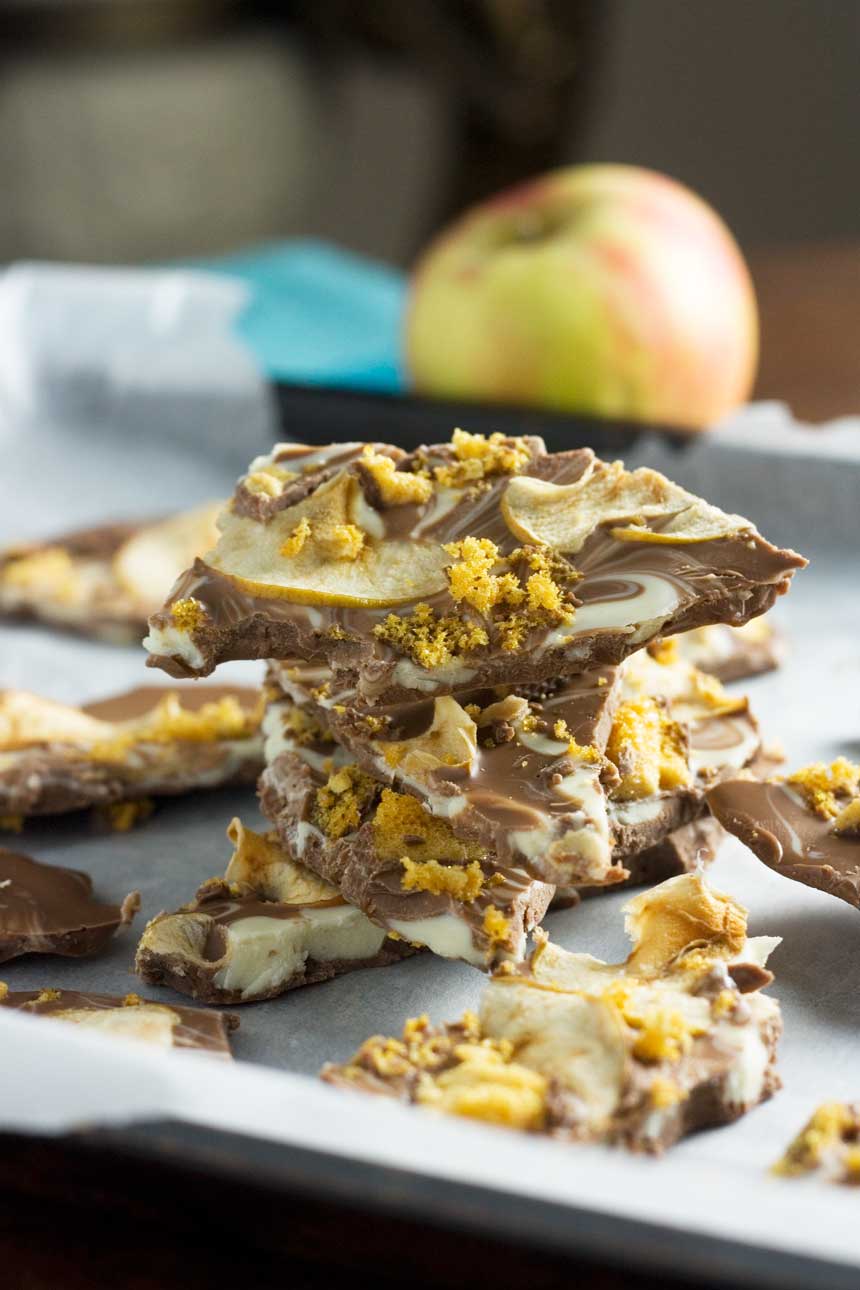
{"x":600,"y":289}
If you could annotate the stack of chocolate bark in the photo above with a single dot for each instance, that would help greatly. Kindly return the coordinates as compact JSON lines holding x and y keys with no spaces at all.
{"x":473,"y":709}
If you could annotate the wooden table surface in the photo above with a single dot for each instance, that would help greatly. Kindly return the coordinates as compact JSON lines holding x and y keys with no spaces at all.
{"x":809,"y":300}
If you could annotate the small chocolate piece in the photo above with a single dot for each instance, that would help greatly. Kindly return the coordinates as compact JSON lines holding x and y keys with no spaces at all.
{"x":48,"y":910}
{"x":474,"y":563}
{"x":805,"y":826}
{"x":730,"y":653}
{"x":270,"y":925}
{"x":130,"y":1017}
{"x":151,"y":741}
{"x":638,"y":1053}
{"x":103,"y":582}
{"x":828,"y":1146}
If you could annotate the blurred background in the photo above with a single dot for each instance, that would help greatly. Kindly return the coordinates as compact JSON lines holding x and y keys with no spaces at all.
{"x":138,"y":131}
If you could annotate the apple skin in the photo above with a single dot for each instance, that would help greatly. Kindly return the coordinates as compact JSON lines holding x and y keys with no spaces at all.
{"x":608,"y":290}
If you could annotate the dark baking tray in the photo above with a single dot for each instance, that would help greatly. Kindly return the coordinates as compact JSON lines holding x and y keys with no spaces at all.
{"x":324,"y":1213}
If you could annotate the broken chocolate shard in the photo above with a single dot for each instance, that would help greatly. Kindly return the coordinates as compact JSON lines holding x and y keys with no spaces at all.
{"x":130,"y":1017}
{"x":638,"y":1053}
{"x":805,"y":826}
{"x":828,"y":1146}
{"x":475,"y":563}
{"x":731,"y":653}
{"x":103,"y":582}
{"x":151,"y":741}
{"x":45,"y":909}
{"x":269,"y":926}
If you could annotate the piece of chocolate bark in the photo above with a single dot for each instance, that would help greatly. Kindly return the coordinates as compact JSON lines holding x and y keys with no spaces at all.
{"x":560,"y":781}
{"x":729,"y":653}
{"x":268,"y":926}
{"x":828,"y":1146}
{"x":676,"y":1038}
{"x":805,"y":826}
{"x":153,"y":741}
{"x":685,"y":850}
{"x":480,"y":562}
{"x":130,"y":1017}
{"x":106,"y":581}
{"x":45,"y":909}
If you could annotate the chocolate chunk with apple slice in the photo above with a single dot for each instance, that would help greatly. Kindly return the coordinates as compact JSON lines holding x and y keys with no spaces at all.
{"x":103,"y":582}
{"x":129,"y":1017}
{"x":674,"y":1039}
{"x":268,"y":926}
{"x":45,"y":909}
{"x":152,"y":741}
{"x":480,"y":562}
{"x":805,"y":826}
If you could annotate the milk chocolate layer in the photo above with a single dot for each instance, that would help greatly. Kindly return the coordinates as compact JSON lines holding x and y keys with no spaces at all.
{"x":56,"y":758}
{"x":627,"y":557}
{"x":45,"y":909}
{"x":639,"y":1053}
{"x":778,"y":825}
{"x":105,"y":581}
{"x":234,"y":943}
{"x":366,"y":866}
{"x":130,"y":1017}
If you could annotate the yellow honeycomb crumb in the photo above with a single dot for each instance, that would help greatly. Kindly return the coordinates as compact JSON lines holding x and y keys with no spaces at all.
{"x":169,"y":722}
{"x":665,"y":1093}
{"x":342,"y":541}
{"x":340,"y":803}
{"x":268,"y":482}
{"x":297,"y":539}
{"x":649,"y":750}
{"x":478,"y":456}
{"x":664,"y":1035}
{"x":724,"y":1003}
{"x":484,"y":1086}
{"x":822,"y":786}
{"x":471,"y":577}
{"x":133,"y":1001}
{"x":665,"y":652}
{"x":401,"y":827}
{"x":428,"y":639}
{"x":50,"y":572}
{"x":48,"y":996}
{"x":122,"y":817}
{"x":4,"y":990}
{"x":496,"y":927}
{"x":828,"y":1132}
{"x":11,"y":823}
{"x":429,"y":875}
{"x":847,"y":821}
{"x":304,"y":729}
{"x":396,"y":487}
{"x":187,"y":614}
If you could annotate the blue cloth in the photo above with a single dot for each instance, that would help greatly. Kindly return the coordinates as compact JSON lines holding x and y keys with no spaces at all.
{"x":319,"y":315}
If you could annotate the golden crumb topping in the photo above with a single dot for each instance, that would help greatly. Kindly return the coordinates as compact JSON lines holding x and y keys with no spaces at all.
{"x":847,"y":822}
{"x":825,"y":788}
{"x":478,"y":455}
{"x":471,"y":577}
{"x":133,"y":1001}
{"x":11,"y":823}
{"x":122,"y":817}
{"x":831,"y":1140}
{"x":666,"y":1093}
{"x":429,"y":639}
{"x":187,"y":614}
{"x":297,"y":539}
{"x":401,"y":827}
{"x":168,"y":722}
{"x":268,"y":482}
{"x":47,"y":996}
{"x":665,"y":652}
{"x":395,"y":487}
{"x":665,"y":1035}
{"x":4,"y":990}
{"x":649,"y":750}
{"x":303,"y":728}
{"x":496,"y":927}
{"x":443,"y":879}
{"x":341,"y":802}
{"x":342,"y":541}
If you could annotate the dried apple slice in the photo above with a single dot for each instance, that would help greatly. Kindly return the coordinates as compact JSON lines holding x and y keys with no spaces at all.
{"x":563,"y":516}
{"x":28,"y":719}
{"x":316,"y":553}
{"x":148,"y":564}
